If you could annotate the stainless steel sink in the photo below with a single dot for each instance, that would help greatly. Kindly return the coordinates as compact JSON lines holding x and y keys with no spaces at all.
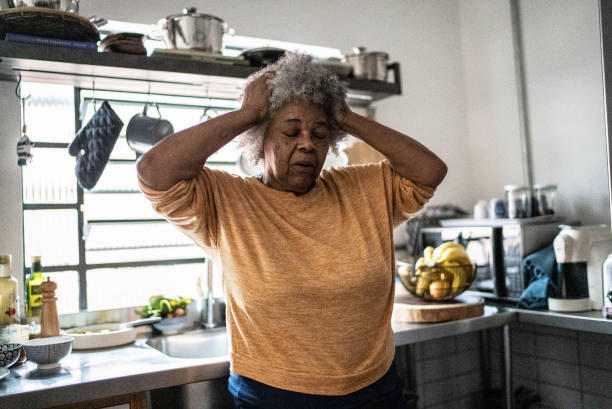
{"x":199,"y":343}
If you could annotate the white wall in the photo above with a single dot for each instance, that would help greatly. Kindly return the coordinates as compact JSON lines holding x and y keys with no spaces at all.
{"x":565,"y":91}
{"x":564,"y":97}
{"x":491,"y":99}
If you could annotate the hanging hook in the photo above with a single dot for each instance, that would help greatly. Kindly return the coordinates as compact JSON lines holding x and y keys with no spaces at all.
{"x":148,"y":101}
{"x":93,"y":93}
{"x":18,"y":89}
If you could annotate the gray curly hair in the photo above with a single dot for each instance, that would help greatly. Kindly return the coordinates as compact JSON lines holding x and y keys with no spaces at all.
{"x":296,"y":76}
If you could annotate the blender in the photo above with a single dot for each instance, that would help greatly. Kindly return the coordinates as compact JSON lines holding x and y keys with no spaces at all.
{"x":580,"y":252}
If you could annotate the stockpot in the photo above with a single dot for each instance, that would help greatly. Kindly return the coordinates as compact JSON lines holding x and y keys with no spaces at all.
{"x":192,"y":30}
{"x":369,"y":65}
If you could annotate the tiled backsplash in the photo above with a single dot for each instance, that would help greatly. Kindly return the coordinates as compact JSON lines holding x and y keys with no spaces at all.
{"x":567,"y":369}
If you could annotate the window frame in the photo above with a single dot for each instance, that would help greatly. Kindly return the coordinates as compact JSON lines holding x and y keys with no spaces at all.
{"x":82,"y":267}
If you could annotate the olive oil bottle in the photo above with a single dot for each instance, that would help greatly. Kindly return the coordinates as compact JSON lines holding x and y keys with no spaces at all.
{"x":9,"y":302}
{"x":33,"y":289}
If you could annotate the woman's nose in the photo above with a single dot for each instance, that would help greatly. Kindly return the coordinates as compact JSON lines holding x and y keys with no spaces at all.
{"x":305,"y":141}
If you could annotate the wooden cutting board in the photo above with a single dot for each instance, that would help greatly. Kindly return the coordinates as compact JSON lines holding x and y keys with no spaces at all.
{"x":408,"y":308}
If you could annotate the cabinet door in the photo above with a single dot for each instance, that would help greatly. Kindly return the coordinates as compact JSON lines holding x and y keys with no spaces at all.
{"x":131,"y":401}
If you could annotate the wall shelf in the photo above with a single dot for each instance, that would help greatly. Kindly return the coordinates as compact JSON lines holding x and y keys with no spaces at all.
{"x":136,"y":73}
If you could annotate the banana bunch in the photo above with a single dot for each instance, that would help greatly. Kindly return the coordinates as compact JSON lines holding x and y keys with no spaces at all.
{"x":443,"y":271}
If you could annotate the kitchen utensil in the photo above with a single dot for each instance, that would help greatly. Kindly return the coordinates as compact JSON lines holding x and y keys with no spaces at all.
{"x":128,"y":43}
{"x":580,"y":252}
{"x":262,"y":56}
{"x":71,"y":6}
{"x":357,"y":61}
{"x":48,"y":352}
{"x":107,"y":335}
{"x":45,"y":22}
{"x":9,"y":354}
{"x":408,"y":308}
{"x":372,"y":65}
{"x":143,"y":131}
{"x":191,"y":30}
{"x":49,"y":319}
{"x":93,"y":144}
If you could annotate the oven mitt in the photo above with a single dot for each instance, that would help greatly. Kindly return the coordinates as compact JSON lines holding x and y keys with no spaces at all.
{"x":93,"y":144}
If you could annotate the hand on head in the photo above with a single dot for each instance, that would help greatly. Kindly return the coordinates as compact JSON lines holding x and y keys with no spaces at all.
{"x":256,"y":100}
{"x":340,"y":114}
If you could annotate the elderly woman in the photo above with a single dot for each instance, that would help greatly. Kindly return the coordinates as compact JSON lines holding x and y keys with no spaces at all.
{"x":306,"y":254}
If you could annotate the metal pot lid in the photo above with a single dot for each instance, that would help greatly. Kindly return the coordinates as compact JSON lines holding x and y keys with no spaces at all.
{"x":193,"y":12}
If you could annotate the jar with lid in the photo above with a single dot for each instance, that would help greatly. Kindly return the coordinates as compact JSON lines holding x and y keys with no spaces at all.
{"x":519,"y":201}
{"x":9,"y":301}
{"x":544,"y":199}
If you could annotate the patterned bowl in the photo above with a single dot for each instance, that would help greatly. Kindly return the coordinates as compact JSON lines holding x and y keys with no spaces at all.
{"x":47,"y":352}
{"x":9,"y":353}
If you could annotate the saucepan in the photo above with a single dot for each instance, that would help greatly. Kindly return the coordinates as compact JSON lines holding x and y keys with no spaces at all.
{"x":369,"y":65}
{"x":107,"y":335}
{"x":191,"y":30}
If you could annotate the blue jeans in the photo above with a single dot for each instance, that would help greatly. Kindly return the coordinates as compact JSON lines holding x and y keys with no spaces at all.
{"x":385,"y":393}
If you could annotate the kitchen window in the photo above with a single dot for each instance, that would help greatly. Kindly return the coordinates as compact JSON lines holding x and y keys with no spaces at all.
{"x":105,"y":247}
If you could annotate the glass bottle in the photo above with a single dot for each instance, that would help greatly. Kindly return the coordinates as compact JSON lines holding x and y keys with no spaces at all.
{"x":33,"y":289}
{"x":9,"y":301}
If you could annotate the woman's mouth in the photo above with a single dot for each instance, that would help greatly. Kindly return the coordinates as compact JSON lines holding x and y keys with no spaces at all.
{"x":303,"y":166}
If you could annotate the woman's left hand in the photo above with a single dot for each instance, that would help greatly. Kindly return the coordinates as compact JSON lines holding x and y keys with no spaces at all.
{"x":341,"y":113}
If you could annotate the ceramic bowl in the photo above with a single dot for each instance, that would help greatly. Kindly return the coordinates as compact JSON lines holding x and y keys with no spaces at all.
{"x":9,"y":354}
{"x":48,"y":352}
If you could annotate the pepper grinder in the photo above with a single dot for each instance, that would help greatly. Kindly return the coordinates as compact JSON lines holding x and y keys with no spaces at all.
{"x":49,"y":320}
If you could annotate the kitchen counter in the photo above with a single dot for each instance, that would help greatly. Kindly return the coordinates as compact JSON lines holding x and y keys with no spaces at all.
{"x":87,"y":375}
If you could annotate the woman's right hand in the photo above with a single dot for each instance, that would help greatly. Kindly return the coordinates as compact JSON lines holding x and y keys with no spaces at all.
{"x":256,"y":100}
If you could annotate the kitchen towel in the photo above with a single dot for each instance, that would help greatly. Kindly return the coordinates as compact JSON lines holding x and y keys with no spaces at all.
{"x":541,"y":272}
{"x":93,"y":144}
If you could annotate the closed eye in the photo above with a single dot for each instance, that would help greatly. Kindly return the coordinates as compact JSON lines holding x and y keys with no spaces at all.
{"x":292,"y":134}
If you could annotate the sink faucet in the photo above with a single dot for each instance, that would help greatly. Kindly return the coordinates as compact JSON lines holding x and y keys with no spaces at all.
{"x":210,"y":298}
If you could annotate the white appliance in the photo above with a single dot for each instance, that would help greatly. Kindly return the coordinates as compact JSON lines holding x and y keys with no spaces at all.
{"x":580,"y":252}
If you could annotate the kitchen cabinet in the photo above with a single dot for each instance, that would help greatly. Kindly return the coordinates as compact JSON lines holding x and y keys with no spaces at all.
{"x":130,"y":401}
{"x":157,"y":75}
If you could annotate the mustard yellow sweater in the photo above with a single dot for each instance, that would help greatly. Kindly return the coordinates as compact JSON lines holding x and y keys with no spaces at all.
{"x":309,"y":279}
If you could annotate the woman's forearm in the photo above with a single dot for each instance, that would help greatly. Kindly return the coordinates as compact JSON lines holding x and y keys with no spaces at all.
{"x":408,"y":157}
{"x":182,"y":155}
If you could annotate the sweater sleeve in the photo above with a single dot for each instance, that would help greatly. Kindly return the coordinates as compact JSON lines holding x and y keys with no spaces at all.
{"x":189,"y":205}
{"x":407,"y":197}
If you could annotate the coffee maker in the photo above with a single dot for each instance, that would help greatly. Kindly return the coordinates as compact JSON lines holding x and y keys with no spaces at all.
{"x":580,"y":252}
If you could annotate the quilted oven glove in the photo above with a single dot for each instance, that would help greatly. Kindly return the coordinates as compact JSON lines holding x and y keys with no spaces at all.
{"x":93,"y":144}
